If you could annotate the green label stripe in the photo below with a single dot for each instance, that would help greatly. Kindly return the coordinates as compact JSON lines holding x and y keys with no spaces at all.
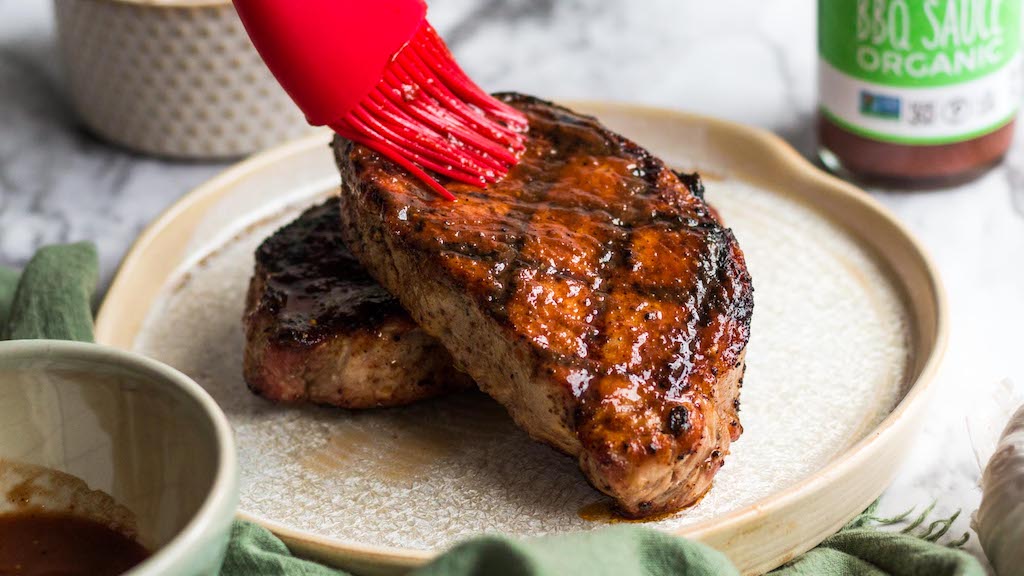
{"x":918,"y":43}
{"x":916,"y":141}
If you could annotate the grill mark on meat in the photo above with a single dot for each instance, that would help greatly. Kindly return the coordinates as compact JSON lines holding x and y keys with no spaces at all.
{"x":604,"y":305}
{"x":693,"y":182}
{"x":301,"y":265}
{"x":318,"y":328}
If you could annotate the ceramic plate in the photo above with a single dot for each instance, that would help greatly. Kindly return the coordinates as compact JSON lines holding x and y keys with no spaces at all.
{"x":848,"y":327}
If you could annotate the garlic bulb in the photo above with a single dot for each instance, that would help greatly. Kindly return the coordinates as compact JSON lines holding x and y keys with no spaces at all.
{"x":999,"y":520}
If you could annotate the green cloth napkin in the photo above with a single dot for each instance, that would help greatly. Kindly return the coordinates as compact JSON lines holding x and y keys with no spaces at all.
{"x":51,"y":299}
{"x":8,"y":284}
{"x":618,"y":550}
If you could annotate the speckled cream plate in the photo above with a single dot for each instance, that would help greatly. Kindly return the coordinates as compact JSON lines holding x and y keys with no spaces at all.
{"x":849,"y":326}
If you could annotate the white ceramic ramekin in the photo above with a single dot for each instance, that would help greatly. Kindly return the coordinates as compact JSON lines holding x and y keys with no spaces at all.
{"x":174,"y":78}
{"x":141,"y":432}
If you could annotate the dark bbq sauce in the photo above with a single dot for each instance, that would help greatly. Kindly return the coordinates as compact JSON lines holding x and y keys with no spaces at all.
{"x":315,"y":288}
{"x":39,"y":543}
{"x":910,"y":167}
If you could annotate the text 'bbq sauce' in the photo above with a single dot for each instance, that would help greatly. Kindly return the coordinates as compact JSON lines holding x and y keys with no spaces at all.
{"x":917,"y":92}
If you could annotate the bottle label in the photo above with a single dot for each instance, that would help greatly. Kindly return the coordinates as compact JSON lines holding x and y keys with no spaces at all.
{"x":922,"y":72}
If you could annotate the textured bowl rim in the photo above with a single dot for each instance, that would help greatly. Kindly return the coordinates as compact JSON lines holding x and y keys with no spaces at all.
{"x":221,"y":501}
{"x":893,"y":427}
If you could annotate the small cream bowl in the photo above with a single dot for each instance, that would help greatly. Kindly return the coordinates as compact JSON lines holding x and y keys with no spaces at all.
{"x":174,"y":78}
{"x":131,"y":428}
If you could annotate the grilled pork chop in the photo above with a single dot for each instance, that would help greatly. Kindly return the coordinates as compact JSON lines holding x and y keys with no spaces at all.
{"x":318,"y":328}
{"x":592,"y":292}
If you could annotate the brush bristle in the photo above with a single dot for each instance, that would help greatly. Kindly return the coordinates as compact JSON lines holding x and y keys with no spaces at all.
{"x":425,"y":113}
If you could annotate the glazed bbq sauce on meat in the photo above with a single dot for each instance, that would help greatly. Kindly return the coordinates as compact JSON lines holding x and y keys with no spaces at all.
{"x":632,"y":293}
{"x":302,"y":289}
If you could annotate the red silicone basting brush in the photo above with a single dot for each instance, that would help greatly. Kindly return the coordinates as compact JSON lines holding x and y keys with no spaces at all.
{"x":378,"y":74}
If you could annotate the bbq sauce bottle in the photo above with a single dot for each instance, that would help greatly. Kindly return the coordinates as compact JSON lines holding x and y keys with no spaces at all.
{"x":917,"y":93}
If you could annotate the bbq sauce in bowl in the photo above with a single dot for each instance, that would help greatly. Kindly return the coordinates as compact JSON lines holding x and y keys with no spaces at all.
{"x":41,"y":543}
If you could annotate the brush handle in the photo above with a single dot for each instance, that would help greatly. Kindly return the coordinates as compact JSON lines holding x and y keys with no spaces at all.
{"x":329,"y":54}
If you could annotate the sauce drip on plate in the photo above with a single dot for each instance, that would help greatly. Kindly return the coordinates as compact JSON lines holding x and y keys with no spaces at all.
{"x":38,"y":543}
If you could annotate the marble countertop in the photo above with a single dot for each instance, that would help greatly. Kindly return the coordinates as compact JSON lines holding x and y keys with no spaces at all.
{"x":752,"y":62}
